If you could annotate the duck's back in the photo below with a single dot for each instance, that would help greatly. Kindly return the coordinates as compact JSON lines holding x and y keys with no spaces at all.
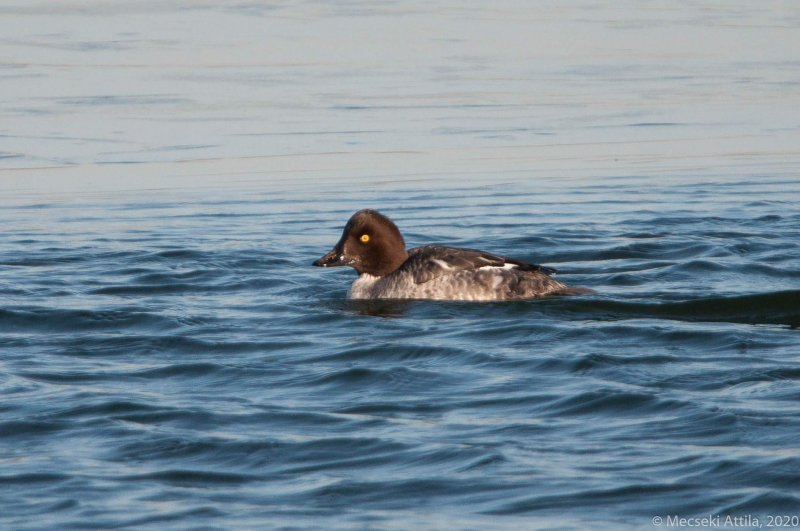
{"x":447,"y":273}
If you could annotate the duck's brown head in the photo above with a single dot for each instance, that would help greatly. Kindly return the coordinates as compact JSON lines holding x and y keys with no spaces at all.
{"x":371,"y":243}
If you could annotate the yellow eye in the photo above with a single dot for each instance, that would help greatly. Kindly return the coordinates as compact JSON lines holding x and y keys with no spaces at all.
{"x":364,"y":238}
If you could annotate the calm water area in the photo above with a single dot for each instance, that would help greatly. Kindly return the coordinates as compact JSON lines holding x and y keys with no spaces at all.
{"x":169,"y":359}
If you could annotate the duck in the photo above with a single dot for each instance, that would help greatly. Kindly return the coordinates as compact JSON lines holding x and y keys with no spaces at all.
{"x":372,"y":245}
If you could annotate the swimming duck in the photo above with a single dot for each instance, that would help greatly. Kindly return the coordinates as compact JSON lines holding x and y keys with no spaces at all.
{"x":372,"y":245}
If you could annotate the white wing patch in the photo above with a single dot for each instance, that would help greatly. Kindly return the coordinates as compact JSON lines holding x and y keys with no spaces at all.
{"x":492,"y":268}
{"x":441,"y":263}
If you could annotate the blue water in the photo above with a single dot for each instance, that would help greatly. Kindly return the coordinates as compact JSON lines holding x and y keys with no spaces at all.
{"x":182,"y":363}
{"x":169,"y":359}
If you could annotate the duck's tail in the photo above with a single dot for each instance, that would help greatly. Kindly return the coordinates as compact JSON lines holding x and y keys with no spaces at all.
{"x":574,"y":291}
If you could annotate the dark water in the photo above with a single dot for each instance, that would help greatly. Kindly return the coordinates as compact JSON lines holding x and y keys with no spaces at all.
{"x":179,"y":363}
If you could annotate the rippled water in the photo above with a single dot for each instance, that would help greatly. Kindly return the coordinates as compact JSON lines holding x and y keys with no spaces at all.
{"x":170,"y":359}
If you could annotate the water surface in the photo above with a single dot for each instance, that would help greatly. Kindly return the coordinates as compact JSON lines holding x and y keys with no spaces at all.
{"x":169,"y":359}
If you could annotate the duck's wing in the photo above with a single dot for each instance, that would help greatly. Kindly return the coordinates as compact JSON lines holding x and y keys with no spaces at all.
{"x":432,"y":261}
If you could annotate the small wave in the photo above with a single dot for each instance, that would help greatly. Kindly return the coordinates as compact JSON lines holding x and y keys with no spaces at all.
{"x":50,"y":319}
{"x":32,"y":477}
{"x":761,"y":308}
{"x":180,"y":253}
{"x":779,"y":473}
{"x":632,"y":495}
{"x":667,"y":250}
{"x":697,"y":266}
{"x":28,"y":428}
{"x":611,"y":402}
{"x":142,"y":289}
{"x":200,"y":514}
{"x":774,"y":503}
{"x":206,"y":449}
{"x":186,"y":370}
{"x":108,"y":409}
{"x":393,"y":494}
{"x":46,"y":261}
{"x":387,"y":380}
{"x":199,"y":478}
{"x":393,"y":352}
{"x":381,"y":408}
